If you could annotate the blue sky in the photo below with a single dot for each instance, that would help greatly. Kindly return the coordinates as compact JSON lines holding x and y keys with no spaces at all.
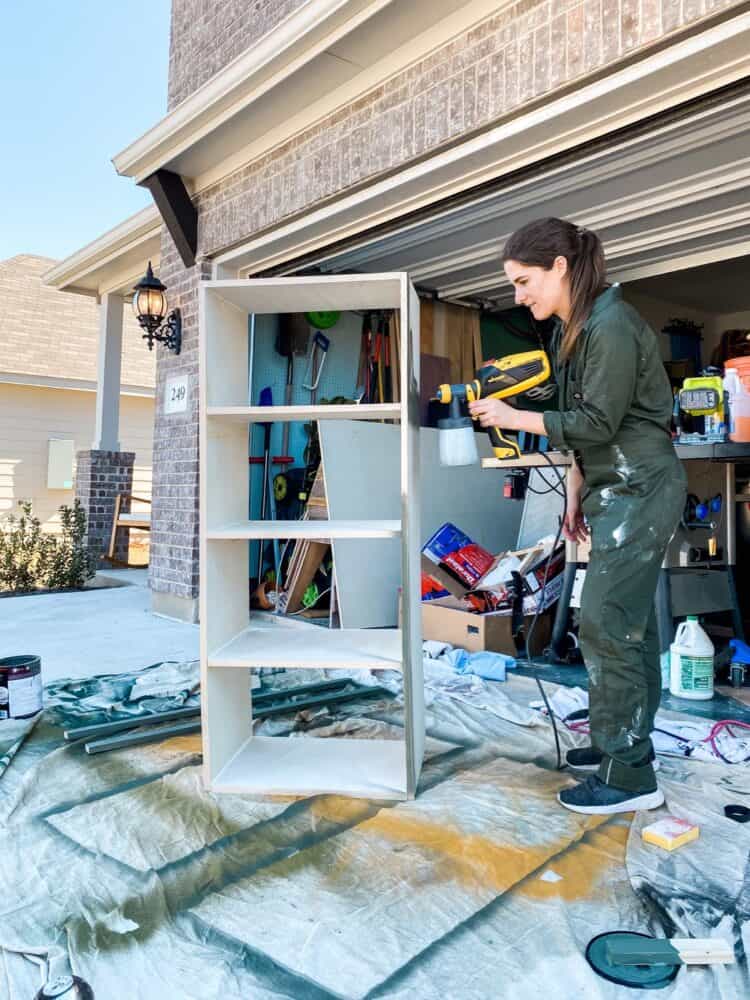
{"x":80,"y":80}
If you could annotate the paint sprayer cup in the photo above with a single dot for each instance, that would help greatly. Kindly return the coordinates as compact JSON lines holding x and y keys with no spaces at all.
{"x":458,"y":445}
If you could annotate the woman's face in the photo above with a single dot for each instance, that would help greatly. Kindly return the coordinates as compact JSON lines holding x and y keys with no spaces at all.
{"x":545,"y":293}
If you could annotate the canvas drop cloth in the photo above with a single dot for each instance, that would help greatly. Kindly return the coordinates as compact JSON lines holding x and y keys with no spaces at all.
{"x":125,"y":871}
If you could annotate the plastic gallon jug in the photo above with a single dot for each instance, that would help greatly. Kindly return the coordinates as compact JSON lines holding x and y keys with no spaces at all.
{"x":691,"y":656}
{"x":737,"y":387}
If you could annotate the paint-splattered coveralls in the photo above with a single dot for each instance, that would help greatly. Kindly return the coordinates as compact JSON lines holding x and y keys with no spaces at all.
{"x":615,"y":408}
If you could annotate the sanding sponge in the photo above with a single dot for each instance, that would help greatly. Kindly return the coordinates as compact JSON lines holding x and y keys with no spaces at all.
{"x":670,"y":833}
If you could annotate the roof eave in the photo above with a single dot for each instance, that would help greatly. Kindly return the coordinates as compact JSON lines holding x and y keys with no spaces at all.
{"x":71,"y":273}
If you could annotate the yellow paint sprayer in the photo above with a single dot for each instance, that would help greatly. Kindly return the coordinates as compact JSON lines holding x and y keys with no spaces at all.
{"x":517,"y":375}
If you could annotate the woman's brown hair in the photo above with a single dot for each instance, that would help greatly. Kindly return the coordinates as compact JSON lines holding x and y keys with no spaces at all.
{"x":538,"y":243}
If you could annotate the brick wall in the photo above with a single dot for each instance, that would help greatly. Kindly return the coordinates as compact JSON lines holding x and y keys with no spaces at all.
{"x":528,"y":49}
{"x":206,"y":35}
{"x":174,"y":515}
{"x":100,"y":476}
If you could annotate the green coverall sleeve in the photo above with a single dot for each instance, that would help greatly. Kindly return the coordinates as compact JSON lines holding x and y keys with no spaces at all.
{"x":607,"y":385}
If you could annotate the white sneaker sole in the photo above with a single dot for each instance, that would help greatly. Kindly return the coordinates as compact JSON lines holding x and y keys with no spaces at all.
{"x":593,"y":768}
{"x":651,"y":800}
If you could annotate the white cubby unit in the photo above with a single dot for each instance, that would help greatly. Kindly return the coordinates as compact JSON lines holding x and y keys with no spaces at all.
{"x":232,"y":639}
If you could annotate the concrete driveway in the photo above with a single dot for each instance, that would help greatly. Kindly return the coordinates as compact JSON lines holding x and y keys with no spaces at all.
{"x":96,"y":631}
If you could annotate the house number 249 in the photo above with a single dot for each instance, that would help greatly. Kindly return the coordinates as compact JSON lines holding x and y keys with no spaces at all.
{"x":176,"y":394}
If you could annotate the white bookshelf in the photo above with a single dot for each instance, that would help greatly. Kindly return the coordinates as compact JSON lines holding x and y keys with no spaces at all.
{"x":232,"y":640}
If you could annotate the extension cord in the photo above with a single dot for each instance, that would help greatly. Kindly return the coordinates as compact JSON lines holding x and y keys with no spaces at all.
{"x":540,"y":605}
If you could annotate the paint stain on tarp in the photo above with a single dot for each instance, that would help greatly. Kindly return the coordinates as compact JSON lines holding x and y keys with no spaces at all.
{"x":188,"y":744}
{"x":449,"y":854}
{"x":582,"y":867}
{"x":469,"y":858}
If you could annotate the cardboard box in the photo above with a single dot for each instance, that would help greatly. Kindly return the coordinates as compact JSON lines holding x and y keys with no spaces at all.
{"x":460,"y":560}
{"x":532,"y":569}
{"x":474,"y":632}
{"x":440,"y":577}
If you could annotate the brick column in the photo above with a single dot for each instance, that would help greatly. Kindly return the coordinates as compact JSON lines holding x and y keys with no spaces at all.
{"x":174,"y":549}
{"x":100,"y":476}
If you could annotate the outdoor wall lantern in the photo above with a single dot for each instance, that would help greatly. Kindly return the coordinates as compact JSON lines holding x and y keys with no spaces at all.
{"x":150,"y":308}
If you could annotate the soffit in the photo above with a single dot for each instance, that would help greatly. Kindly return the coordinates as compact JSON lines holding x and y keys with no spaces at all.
{"x":321,"y":57}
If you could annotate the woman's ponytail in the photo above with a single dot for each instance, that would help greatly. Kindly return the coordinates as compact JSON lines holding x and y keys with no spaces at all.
{"x":587,"y":276}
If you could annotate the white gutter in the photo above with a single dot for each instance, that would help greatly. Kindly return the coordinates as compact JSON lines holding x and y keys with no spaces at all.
{"x":76,"y":384}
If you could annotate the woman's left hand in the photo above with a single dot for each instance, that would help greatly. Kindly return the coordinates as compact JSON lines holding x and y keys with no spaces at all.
{"x":494,"y":413}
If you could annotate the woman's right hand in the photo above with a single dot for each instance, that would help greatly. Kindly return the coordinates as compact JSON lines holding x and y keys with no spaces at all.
{"x":574,"y":527}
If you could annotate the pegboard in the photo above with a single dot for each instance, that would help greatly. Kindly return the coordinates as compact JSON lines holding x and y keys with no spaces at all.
{"x":339,"y":378}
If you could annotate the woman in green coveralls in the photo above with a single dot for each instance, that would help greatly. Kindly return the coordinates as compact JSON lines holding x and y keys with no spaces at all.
{"x":626,"y":485}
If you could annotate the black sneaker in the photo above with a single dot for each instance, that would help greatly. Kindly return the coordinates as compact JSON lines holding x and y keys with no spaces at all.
{"x":589,"y":759}
{"x":594,"y":798}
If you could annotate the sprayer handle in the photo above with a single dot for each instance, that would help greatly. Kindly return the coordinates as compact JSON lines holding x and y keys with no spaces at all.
{"x":502,"y":446}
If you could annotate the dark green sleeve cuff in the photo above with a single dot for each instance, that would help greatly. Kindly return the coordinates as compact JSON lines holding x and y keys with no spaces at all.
{"x":554,"y":431}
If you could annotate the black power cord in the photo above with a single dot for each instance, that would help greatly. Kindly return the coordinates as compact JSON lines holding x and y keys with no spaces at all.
{"x":558,"y":487}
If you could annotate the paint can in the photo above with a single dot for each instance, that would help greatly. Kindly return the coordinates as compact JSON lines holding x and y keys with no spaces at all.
{"x":20,"y":686}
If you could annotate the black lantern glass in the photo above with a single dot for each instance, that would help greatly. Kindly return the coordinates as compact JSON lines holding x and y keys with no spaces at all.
{"x":150,"y":308}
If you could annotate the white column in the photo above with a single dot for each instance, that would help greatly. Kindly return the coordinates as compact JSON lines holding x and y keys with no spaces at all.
{"x":108,"y":374}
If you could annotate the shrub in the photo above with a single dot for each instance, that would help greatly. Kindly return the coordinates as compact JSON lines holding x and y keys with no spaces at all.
{"x":30,"y":559}
{"x":22,"y":551}
{"x":68,"y":563}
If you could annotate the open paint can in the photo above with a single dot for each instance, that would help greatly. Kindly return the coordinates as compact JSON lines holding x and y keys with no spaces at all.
{"x":20,"y":686}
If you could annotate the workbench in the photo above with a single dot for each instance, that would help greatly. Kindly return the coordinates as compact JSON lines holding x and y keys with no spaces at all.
{"x":729,"y":453}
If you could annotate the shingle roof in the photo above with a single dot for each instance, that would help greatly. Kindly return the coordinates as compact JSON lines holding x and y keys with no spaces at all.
{"x":54,"y":334}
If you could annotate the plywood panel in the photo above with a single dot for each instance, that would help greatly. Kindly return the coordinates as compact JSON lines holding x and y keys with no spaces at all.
{"x":412,"y":543}
{"x":452,"y":332}
{"x":224,"y":350}
{"x":225,"y":593}
{"x":361,"y":463}
{"x":225,"y":447}
{"x":225,"y":717}
{"x":307,"y":529}
{"x":344,"y":411}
